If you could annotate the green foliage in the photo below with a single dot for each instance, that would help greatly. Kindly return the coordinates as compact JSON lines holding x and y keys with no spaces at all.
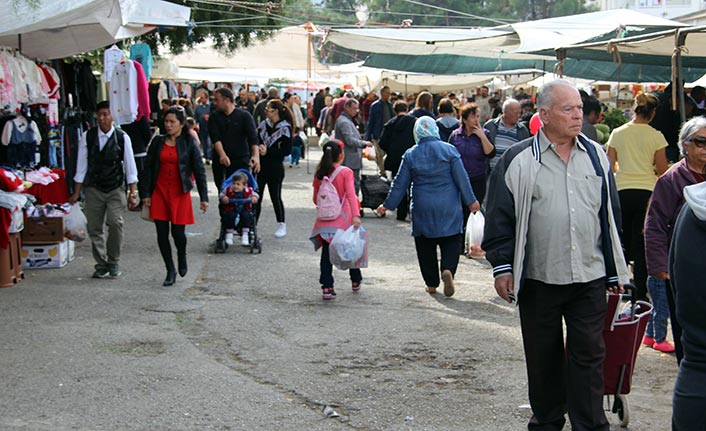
{"x":615,"y":118}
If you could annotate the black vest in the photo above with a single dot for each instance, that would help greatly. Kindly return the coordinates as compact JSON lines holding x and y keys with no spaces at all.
{"x":105,"y":168}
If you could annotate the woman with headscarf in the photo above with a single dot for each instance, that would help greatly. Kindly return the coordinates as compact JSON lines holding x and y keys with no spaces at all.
{"x":439,"y":184}
{"x":665,"y":204}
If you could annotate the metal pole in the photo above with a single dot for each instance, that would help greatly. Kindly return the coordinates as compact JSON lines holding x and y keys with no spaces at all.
{"x":678,"y":81}
{"x":309,"y":28}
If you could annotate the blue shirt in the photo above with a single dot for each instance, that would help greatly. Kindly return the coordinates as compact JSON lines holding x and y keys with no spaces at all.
{"x":439,"y":185}
{"x":142,"y":53}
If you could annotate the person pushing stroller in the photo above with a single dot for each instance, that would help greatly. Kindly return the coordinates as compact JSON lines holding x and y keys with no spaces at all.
{"x":237,"y":199}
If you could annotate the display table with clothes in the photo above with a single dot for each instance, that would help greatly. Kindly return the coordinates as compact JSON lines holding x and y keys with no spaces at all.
{"x":48,"y":186}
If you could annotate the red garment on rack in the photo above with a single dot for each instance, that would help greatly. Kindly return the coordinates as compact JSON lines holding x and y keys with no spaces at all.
{"x":143,"y":95}
{"x":54,"y":193}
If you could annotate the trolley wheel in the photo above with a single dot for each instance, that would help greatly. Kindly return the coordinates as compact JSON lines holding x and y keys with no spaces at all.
{"x":259,"y":247}
{"x":379,"y":215}
{"x":623,"y":410}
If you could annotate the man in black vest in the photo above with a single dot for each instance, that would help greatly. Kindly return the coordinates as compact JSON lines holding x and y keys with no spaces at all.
{"x":105,"y":162}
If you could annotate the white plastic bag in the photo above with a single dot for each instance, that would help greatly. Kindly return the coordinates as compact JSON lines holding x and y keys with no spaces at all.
{"x":324,"y":138}
{"x":75,"y":223}
{"x":474,"y":235}
{"x":347,"y":247}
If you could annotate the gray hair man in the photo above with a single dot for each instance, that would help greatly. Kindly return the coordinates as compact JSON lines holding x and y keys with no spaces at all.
{"x":506,"y":130}
{"x":551,"y":235}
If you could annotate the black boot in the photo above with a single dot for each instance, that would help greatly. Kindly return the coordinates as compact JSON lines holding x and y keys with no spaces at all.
{"x":171,"y":278}
{"x":181,"y":258}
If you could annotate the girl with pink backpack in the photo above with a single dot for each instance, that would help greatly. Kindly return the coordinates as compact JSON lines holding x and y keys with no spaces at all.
{"x":337,"y":207}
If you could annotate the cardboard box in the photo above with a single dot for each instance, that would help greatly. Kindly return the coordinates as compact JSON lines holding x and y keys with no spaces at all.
{"x":48,"y":255}
{"x":43,"y":230}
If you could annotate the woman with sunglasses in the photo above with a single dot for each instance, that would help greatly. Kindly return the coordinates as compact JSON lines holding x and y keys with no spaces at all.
{"x":275,"y":134}
{"x":637,"y":155}
{"x":667,"y":200}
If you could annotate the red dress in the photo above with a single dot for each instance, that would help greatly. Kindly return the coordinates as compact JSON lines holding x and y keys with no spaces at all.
{"x":169,"y":202}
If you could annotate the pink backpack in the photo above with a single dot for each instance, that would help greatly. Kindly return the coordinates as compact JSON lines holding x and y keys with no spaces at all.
{"x":328,"y":203}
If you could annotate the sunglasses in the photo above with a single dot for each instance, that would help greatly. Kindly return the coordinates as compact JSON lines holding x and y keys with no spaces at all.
{"x":699,"y":141}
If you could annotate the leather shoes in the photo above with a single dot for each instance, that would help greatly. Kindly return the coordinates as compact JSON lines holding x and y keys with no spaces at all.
{"x":171,"y":278}
{"x":183,"y":269}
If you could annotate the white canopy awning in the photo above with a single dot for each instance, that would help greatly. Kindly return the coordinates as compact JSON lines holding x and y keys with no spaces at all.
{"x":512,"y":40}
{"x":61,"y":28}
{"x":287,"y":50}
{"x":414,"y":82}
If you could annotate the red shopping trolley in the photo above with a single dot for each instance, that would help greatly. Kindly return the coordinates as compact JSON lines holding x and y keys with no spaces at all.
{"x":625,"y":324}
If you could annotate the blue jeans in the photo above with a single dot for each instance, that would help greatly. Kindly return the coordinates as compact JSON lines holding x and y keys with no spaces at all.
{"x":657,"y":326}
{"x":296,"y":155}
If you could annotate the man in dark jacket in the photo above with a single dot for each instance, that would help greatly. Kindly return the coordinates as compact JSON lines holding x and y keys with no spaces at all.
{"x":506,"y":130}
{"x":396,"y":138}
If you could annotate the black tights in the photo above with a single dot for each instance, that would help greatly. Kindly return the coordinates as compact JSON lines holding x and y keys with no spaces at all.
{"x":271,"y":177}
{"x":179,"y":235}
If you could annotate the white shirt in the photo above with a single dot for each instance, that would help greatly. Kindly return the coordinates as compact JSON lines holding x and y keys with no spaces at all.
{"x":128,"y":158}
{"x":123,"y":93}
{"x":111,"y":58}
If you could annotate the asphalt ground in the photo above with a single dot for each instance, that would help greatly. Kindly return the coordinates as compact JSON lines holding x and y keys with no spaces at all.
{"x":245,"y":342}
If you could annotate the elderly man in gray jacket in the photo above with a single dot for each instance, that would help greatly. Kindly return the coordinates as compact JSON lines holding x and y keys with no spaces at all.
{"x":353,"y":144}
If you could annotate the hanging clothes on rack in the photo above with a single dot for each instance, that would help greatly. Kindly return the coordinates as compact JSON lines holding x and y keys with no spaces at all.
{"x":21,"y":136}
{"x":141,"y":53}
{"x":123,"y":93}
{"x":111,"y":58}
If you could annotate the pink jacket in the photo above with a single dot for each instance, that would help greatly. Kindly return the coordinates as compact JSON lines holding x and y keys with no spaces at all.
{"x":326,"y":229}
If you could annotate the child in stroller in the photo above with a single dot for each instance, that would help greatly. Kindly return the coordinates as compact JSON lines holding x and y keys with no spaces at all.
{"x":238,"y":194}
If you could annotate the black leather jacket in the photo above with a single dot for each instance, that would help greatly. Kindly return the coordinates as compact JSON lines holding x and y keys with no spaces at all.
{"x":189,"y":163}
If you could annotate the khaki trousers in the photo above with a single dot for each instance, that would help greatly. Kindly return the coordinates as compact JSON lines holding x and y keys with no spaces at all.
{"x":380,"y":157}
{"x":105,"y":209}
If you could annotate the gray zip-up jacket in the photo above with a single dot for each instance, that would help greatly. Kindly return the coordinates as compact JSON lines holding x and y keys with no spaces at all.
{"x":509,"y":204}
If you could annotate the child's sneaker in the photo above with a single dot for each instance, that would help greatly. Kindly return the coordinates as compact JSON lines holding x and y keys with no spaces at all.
{"x":355,"y":286}
{"x":663,"y":346}
{"x":246,"y":238}
{"x":328,"y":293}
{"x":229,"y":238}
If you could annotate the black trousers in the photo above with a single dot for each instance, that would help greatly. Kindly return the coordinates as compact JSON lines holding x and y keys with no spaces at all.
{"x":271,"y":176}
{"x":429,"y":261}
{"x":562,"y":377}
{"x":633,"y":206}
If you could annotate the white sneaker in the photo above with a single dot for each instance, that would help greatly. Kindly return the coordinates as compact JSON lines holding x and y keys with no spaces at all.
{"x":246,"y":239}
{"x":229,"y":238}
{"x":281,"y":230}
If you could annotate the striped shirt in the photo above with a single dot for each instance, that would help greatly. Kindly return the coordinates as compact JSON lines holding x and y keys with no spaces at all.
{"x":504,"y":139}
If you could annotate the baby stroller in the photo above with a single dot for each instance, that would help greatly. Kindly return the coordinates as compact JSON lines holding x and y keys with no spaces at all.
{"x":255,"y":243}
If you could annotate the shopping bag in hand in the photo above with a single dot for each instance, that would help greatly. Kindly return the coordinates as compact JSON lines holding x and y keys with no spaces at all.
{"x":347,"y":247}
{"x":76,"y":224}
{"x":474,"y":235}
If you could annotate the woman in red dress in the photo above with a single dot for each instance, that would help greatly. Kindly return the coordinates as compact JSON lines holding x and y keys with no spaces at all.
{"x":172,"y":161}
